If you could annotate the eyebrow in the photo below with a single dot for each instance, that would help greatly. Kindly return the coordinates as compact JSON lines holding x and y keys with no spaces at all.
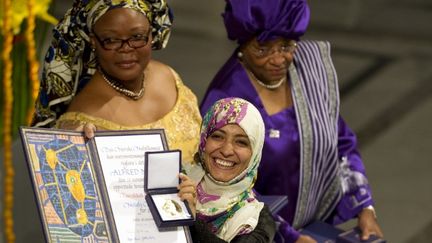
{"x":257,"y":45}
{"x":242,"y":136}
{"x":235,"y":135}
{"x":112,"y":31}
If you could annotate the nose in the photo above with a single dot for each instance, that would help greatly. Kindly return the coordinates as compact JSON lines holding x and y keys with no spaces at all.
{"x":277,"y":58}
{"x":227,"y":149}
{"x":125,"y":46}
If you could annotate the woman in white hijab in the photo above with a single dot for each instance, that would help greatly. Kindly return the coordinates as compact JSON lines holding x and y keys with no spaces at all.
{"x":232,"y":137}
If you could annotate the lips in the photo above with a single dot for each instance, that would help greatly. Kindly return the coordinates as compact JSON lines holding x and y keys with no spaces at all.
{"x":127,"y":64}
{"x":224,"y":163}
{"x":278,"y":72}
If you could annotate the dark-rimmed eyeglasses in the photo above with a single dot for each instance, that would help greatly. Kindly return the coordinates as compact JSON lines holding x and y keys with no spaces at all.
{"x":265,"y":51}
{"x":135,"y":41}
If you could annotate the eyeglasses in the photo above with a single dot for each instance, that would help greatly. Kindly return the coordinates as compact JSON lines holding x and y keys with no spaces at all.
{"x":265,"y":51}
{"x":136,"y":41}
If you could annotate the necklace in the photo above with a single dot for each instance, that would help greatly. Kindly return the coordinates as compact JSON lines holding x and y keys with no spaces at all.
{"x":267,"y":86}
{"x":119,"y":87}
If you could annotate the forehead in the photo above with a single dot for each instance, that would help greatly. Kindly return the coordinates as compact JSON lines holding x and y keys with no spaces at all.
{"x":233,"y":129}
{"x":121,"y":18}
{"x":274,"y":42}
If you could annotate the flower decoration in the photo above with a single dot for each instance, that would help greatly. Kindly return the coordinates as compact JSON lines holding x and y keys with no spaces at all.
{"x":20,"y":12}
{"x":19,"y":75}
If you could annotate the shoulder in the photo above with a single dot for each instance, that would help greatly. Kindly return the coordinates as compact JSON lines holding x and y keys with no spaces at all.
{"x":266,"y":216}
{"x":263,"y":232}
{"x":311,"y":44}
{"x":160,"y":79}
{"x":160,"y":71}
{"x":314,"y":59}
{"x":313,"y":50}
{"x":90,"y":99}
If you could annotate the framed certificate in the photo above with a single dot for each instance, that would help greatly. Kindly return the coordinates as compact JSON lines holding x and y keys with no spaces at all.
{"x":93,"y":190}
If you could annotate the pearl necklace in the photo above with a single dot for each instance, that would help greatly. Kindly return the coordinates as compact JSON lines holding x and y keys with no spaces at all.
{"x":267,"y":86}
{"x":119,"y":87}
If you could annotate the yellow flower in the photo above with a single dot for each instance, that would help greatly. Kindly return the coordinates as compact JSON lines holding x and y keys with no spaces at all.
{"x":19,"y":13}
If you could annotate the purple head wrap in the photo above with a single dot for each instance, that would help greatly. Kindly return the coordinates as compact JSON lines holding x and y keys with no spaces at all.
{"x":265,"y":19}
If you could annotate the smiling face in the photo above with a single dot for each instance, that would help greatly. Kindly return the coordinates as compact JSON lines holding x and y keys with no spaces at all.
{"x":227,"y":152}
{"x":126,"y":63}
{"x":268,"y":61}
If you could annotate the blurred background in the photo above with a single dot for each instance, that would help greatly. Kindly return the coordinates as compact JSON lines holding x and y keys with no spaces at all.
{"x":382,"y":51}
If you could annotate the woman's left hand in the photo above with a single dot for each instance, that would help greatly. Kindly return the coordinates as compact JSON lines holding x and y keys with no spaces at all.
{"x":187,"y":191}
{"x":368,"y":224}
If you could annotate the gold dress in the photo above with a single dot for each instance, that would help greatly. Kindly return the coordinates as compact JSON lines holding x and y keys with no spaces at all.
{"x":181,"y":124}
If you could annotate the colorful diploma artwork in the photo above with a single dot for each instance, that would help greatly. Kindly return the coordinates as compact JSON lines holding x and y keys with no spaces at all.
{"x":65,"y":186}
{"x":92,"y":191}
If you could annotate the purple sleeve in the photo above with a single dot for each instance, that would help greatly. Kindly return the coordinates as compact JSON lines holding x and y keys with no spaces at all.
{"x":356,"y":190}
{"x":285,"y":233}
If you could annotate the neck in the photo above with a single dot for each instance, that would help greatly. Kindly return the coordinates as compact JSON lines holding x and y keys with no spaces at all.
{"x":119,"y":86}
{"x":272,"y":86}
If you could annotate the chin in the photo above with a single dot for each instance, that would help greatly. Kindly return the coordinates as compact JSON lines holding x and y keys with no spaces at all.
{"x":130,"y":76}
{"x":223,"y":178}
{"x":276,"y":78}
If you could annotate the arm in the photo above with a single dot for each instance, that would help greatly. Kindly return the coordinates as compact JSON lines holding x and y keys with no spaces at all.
{"x":289,"y":235}
{"x":202,"y":234}
{"x":357,"y":197}
{"x":263,"y":232}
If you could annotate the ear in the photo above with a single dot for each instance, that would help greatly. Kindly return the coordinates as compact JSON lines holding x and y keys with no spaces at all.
{"x":92,"y":41}
{"x":241,"y":50}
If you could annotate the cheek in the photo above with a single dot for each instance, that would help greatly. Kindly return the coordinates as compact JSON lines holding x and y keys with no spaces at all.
{"x":103,"y":58}
{"x":245,"y":156}
{"x":207,"y":151}
{"x":258,"y":68}
{"x":145,"y":52}
{"x":289,"y":57}
{"x":145,"y":55}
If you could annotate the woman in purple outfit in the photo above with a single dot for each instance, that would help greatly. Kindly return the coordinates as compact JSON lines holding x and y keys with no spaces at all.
{"x":310,"y":154}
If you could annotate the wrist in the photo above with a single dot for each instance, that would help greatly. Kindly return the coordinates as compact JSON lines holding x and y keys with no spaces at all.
{"x":370,"y":209}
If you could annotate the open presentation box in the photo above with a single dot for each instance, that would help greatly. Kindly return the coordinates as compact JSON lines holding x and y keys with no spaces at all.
{"x":162,"y":169}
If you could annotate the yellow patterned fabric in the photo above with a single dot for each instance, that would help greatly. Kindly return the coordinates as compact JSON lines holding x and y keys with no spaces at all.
{"x":181,"y":124}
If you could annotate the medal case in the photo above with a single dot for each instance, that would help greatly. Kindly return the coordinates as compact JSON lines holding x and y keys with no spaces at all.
{"x":162,"y":169}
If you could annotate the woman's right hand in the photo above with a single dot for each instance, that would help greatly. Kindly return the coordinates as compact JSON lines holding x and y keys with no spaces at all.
{"x":305,"y":239}
{"x":187,"y":191}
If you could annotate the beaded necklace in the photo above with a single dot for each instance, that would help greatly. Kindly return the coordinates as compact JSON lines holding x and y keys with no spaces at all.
{"x":267,"y":86}
{"x":116,"y":85}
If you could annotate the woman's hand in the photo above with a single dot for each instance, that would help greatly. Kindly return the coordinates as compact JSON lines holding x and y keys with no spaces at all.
{"x":305,"y":239}
{"x":89,"y":129}
{"x":368,"y":224}
{"x":188,"y":191}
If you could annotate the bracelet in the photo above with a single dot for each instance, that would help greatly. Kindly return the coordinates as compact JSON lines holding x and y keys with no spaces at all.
{"x":371,"y":208}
